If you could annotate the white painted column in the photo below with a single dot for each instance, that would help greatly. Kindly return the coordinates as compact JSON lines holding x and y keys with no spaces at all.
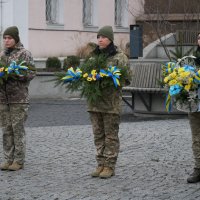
{"x":15,"y":13}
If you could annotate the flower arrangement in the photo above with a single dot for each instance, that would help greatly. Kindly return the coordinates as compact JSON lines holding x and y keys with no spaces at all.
{"x":76,"y":75}
{"x":92,"y":77}
{"x":14,"y":70}
{"x":182,"y":80}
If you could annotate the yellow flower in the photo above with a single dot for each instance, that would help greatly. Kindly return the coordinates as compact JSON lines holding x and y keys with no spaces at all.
{"x":89,"y":79}
{"x":166,"y":79}
{"x":184,"y":74}
{"x":94,"y":73}
{"x":173,"y":75}
{"x":180,"y":70}
{"x":85,"y":75}
{"x":1,"y":69}
{"x":172,"y":82}
{"x":187,"y":87}
{"x":190,"y":80}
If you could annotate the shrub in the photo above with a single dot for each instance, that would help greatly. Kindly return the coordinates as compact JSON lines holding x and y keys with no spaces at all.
{"x":71,"y":61}
{"x":85,"y":51}
{"x":53,"y":64}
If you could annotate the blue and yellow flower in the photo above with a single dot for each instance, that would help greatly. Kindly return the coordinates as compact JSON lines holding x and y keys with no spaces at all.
{"x":2,"y":71}
{"x":180,"y":81}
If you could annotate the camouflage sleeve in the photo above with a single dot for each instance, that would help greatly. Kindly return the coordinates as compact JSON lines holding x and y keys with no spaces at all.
{"x":123,"y":61}
{"x":28,"y":59}
{"x":2,"y":58}
{"x":1,"y":54}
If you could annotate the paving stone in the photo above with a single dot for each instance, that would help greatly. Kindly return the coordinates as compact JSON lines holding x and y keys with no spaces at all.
{"x":154,"y":162}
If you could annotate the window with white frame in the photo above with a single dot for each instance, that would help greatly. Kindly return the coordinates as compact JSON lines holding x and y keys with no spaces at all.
{"x":121,"y":13}
{"x":89,"y":13}
{"x":54,"y":11}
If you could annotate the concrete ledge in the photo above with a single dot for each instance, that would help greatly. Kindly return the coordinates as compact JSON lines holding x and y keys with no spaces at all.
{"x":41,"y":62}
{"x":42,"y":87}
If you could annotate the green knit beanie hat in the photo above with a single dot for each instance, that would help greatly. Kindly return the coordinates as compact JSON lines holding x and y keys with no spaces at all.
{"x":13,"y":32}
{"x":106,"y":31}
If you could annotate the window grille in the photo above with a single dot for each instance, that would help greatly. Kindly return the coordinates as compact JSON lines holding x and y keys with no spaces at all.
{"x":87,"y":12}
{"x":52,"y":11}
{"x":120,"y":12}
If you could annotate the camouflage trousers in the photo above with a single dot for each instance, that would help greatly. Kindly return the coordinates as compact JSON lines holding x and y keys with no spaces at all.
{"x":194,"y":119}
{"x":106,"y":140}
{"x":12,"y":119}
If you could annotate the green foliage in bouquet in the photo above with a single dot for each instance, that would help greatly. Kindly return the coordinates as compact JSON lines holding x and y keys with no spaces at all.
{"x":92,"y":78}
{"x":92,"y":88}
{"x":182,"y":80}
{"x":16,"y":71}
{"x":3,"y":74}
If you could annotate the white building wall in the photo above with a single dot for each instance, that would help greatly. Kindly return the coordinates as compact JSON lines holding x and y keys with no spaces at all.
{"x":15,"y":13}
{"x":6,"y":15}
{"x":21,"y":19}
{"x":44,"y":41}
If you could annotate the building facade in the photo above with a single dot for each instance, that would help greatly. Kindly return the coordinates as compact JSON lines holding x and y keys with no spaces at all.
{"x":64,"y":27}
{"x":161,"y":17}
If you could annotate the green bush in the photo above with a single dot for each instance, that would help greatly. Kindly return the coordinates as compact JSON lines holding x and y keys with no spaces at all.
{"x":53,"y":64}
{"x":71,"y":61}
{"x":85,"y":51}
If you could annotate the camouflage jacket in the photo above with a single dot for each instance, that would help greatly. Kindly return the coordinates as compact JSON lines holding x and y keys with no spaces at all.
{"x":111,"y":97}
{"x":16,"y":90}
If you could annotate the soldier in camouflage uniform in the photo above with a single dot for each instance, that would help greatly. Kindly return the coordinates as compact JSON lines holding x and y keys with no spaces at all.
{"x":105,"y":115}
{"x":14,"y":101}
{"x":194,"y":118}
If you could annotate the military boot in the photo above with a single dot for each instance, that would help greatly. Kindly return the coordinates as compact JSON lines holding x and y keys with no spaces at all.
{"x":107,"y":172}
{"x":98,"y":170}
{"x":15,"y":166}
{"x":195,"y":176}
{"x":5,"y":166}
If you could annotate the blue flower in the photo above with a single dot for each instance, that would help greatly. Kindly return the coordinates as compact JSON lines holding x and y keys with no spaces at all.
{"x":188,"y":68}
{"x":2,"y":74}
{"x":98,"y":77}
{"x":175,"y":89}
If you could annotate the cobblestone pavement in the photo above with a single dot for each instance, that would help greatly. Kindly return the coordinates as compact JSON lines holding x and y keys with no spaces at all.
{"x":154,"y":161}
